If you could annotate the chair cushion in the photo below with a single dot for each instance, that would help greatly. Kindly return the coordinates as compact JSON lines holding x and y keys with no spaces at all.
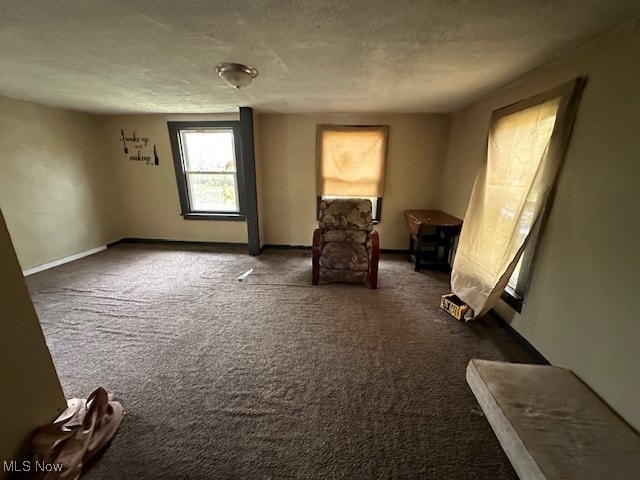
{"x":346,"y":214}
{"x":344,"y":256}
{"x":355,"y":236}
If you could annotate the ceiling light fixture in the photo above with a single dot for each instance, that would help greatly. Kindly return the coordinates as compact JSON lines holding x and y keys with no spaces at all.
{"x":236,"y":74}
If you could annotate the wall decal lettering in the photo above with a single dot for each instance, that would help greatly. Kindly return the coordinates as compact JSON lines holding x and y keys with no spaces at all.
{"x":124,"y":141}
{"x":139,"y":145}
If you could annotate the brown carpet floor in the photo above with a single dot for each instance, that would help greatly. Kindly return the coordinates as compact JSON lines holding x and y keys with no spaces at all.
{"x":271,"y":377}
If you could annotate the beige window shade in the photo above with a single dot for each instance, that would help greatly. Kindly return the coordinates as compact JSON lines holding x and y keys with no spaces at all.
{"x":526,"y":145}
{"x":351,"y":160}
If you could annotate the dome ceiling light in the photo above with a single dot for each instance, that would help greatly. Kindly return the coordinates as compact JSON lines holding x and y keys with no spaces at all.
{"x":236,"y":74}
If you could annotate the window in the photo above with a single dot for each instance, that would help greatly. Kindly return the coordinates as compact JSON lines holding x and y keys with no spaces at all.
{"x":520,"y":141}
{"x":526,"y":145}
{"x":518,"y":283}
{"x":351,"y":163}
{"x":208,"y":169}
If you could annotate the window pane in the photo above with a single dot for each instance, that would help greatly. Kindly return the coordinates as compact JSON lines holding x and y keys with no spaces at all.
{"x":209,"y":151}
{"x":213,"y":192}
{"x":513,"y":280}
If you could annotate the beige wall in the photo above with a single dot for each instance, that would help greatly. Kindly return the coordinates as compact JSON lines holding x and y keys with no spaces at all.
{"x":31,"y":394}
{"x":285,"y":171}
{"x":56,"y":189}
{"x":417,"y":147}
{"x":149,"y":194}
{"x":581,"y":310}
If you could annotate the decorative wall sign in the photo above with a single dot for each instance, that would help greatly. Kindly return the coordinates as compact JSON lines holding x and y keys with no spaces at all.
{"x":137,"y":146}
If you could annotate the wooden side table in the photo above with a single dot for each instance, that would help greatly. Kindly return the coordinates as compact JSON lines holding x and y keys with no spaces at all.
{"x":431,"y":236}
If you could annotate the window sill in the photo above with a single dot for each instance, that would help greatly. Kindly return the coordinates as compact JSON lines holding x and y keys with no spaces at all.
{"x":511,"y":298}
{"x":233,"y":217}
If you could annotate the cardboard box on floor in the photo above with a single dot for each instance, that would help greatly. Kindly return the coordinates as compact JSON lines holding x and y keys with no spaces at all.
{"x":455,"y":307}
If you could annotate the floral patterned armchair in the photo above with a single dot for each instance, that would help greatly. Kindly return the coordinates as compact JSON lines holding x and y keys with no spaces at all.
{"x":345,"y":246}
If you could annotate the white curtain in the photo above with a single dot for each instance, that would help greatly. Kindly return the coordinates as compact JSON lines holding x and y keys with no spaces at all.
{"x":526,"y":145}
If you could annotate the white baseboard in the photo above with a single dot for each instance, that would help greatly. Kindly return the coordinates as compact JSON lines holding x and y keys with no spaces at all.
{"x":61,"y":261}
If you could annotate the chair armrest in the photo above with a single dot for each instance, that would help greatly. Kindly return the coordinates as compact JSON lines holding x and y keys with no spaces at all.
{"x":373,"y":262}
{"x":375,"y":242}
{"x":317,"y":240}
{"x":315,"y":256}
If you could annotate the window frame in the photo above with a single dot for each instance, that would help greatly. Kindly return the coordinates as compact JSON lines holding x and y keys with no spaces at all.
{"x":175,"y":129}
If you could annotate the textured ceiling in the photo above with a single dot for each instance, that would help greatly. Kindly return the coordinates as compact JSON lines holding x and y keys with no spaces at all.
{"x":122,"y":56}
